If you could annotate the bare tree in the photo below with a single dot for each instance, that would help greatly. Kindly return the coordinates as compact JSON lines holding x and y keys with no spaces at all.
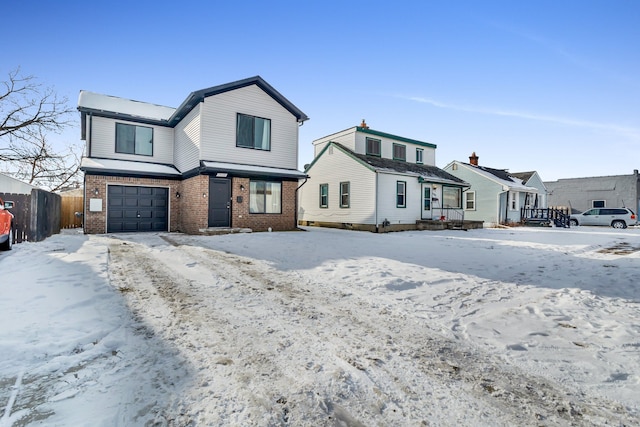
{"x":28,"y":113}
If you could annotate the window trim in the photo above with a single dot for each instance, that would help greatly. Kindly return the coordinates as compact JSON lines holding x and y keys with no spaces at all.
{"x":134,"y":140}
{"x":421,"y":156}
{"x":404,"y":147}
{"x":348,"y":194}
{"x":404,"y":194}
{"x":326,"y":196}
{"x":253,"y":129}
{"x":265,"y":197}
{"x":378,"y":144}
{"x":466,"y":195}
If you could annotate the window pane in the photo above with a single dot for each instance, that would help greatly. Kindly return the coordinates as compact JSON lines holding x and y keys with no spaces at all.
{"x":272,"y":197}
{"x":125,"y":138}
{"x":451,"y":197}
{"x":144,"y":140}
{"x":344,"y":194}
{"x":324,"y":195}
{"x":244,"y":131}
{"x":262,"y":133}
{"x":399,"y":152}
{"x":373,"y":147}
{"x":427,"y":198}
{"x":400,"y":194}
{"x":418,"y":155}
{"x":256,"y":196}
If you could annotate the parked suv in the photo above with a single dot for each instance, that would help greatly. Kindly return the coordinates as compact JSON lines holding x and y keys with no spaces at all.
{"x":6,"y":225}
{"x":615,"y":217}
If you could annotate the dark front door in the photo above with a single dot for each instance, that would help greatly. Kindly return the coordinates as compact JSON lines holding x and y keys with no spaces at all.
{"x":136,"y":209}
{"x":219,"y":202}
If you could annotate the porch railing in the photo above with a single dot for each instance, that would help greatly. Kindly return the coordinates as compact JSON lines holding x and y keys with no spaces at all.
{"x":559,"y":217}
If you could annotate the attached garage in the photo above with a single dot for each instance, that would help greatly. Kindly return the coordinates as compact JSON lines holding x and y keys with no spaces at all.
{"x":135,"y":209}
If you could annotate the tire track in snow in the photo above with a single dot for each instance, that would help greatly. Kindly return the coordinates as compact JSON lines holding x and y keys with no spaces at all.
{"x":274,"y":348}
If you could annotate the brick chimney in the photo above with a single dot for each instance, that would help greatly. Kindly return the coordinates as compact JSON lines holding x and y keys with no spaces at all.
{"x":473,"y":159}
{"x":364,"y":124}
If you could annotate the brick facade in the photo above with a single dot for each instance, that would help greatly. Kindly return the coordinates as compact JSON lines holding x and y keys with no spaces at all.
{"x":189,"y":213}
{"x":96,"y":188}
{"x":241,"y":218}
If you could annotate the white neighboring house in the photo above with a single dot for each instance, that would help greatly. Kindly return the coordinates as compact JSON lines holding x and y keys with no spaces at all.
{"x":370,"y":180}
{"x":226,"y":157}
{"x":496,"y":196}
{"x":11,"y":185}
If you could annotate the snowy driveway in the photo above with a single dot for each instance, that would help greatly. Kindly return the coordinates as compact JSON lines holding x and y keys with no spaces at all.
{"x":325,"y":327}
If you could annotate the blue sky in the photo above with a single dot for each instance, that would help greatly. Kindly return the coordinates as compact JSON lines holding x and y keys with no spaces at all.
{"x":552,"y":86}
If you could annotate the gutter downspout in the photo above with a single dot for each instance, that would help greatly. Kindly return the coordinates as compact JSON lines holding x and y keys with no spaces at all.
{"x":375,"y":195}
{"x":299,"y":187}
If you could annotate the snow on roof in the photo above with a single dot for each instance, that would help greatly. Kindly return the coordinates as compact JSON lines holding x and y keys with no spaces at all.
{"x":113,"y":104}
{"x":110,"y":165}
{"x":234,"y":167}
{"x":512,"y":184}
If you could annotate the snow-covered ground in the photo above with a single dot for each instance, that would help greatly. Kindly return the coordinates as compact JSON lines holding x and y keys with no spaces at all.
{"x":493,"y":327}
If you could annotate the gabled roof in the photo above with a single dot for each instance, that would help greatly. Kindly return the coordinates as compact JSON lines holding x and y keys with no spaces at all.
{"x":500,"y":176}
{"x":425,"y":173}
{"x":127,"y":109}
{"x":524,"y":176}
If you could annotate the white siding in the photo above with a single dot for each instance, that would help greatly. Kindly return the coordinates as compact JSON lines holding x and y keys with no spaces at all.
{"x":387,"y":199}
{"x":218,"y":138}
{"x":345,"y":137}
{"x":103,"y":141}
{"x":332,"y":168}
{"x":187,"y":145}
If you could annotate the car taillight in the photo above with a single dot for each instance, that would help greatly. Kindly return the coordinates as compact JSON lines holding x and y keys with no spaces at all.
{"x":633,"y":216}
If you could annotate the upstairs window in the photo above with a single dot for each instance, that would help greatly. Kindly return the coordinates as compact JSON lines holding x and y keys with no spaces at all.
{"x":598,"y":204}
{"x":132,"y":139}
{"x":399,"y":152}
{"x":253,"y":132}
{"x":373,"y":147}
{"x":324,"y":195}
{"x":419,"y":156}
{"x":344,"y":195}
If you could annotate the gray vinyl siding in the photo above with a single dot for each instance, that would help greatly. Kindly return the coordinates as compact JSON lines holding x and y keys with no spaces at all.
{"x":487,"y":193}
{"x":103,"y":142}
{"x":218,"y":127}
{"x":334,"y":167}
{"x":536,"y":182}
{"x":387,"y":192}
{"x":187,"y":141}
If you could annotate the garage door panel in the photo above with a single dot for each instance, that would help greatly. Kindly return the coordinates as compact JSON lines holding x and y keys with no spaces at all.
{"x":135,"y":208}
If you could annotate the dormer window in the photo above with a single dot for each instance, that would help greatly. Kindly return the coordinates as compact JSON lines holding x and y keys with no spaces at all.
{"x":419,"y":156}
{"x":253,"y":132}
{"x":373,"y":147}
{"x":400,"y":152}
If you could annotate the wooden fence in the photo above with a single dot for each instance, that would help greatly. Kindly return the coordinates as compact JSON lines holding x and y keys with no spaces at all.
{"x":36,"y":215}
{"x":69,"y":207}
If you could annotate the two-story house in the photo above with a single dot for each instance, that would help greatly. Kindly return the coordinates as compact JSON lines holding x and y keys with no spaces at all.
{"x":364,"y":179}
{"x":226,"y":157}
{"x":496,"y":196}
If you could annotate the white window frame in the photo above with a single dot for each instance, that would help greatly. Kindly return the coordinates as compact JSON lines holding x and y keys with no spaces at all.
{"x":468,"y":199}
